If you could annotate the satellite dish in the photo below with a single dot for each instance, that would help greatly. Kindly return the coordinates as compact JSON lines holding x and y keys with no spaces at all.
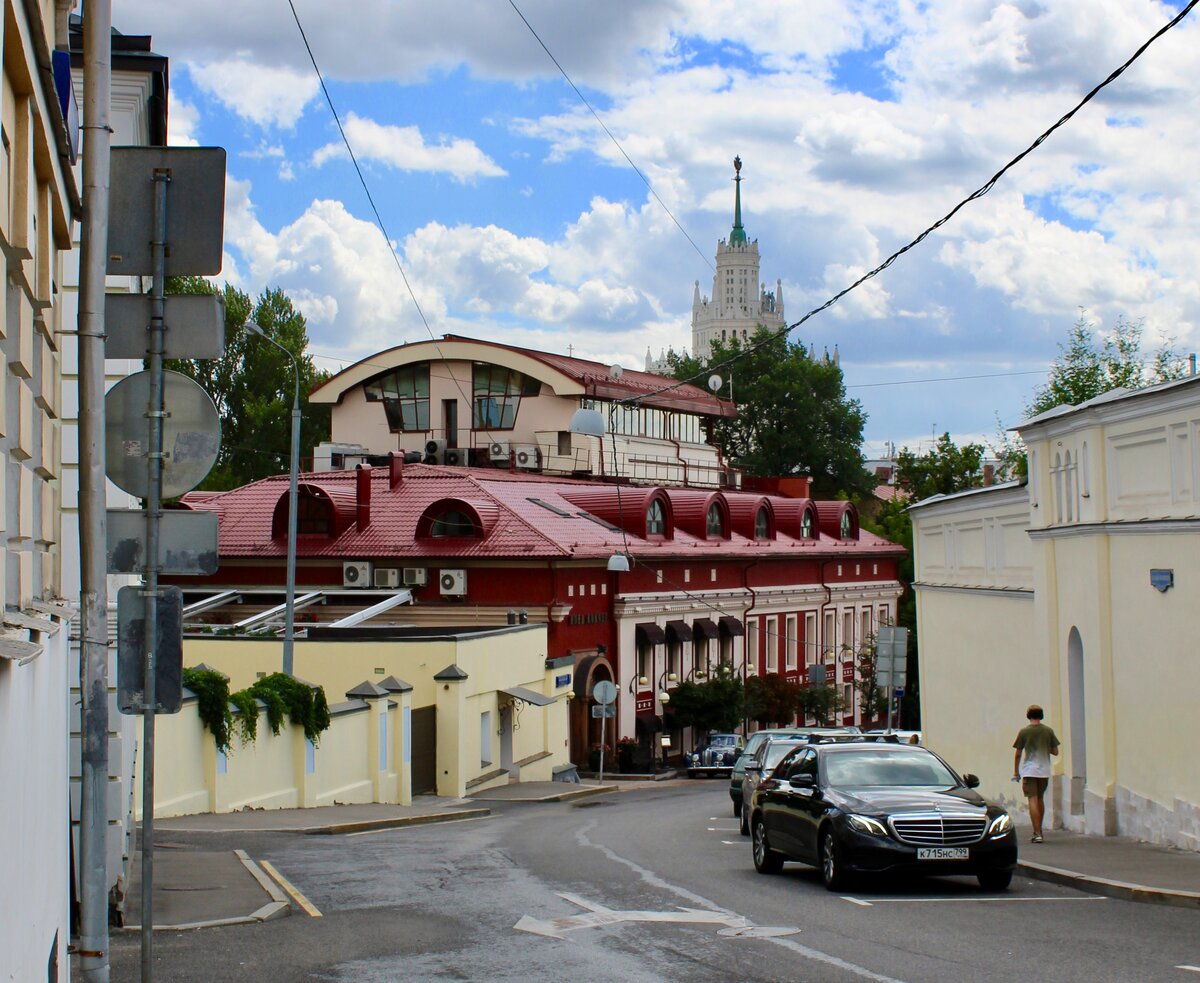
{"x":616,"y":372}
{"x":714,"y":383}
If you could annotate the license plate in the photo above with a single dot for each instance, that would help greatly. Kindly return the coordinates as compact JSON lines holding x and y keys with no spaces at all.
{"x":943,"y":853}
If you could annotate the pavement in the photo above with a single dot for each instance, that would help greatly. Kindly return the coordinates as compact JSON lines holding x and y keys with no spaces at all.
{"x":199,"y":889}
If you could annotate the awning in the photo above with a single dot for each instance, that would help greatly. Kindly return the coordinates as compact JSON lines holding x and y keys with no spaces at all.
{"x":679,"y":631}
{"x":731,"y":627}
{"x":704,"y":628}
{"x":648,"y":633}
{"x":528,"y":696}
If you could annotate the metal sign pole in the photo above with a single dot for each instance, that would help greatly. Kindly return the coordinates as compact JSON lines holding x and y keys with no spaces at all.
{"x":603,"y":738}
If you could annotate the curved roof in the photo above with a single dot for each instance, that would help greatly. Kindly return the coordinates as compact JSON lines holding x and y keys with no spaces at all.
{"x":690,"y":508}
{"x":789,"y":516}
{"x":577,"y":377}
{"x":829,"y":515}
{"x":743,"y":510}
{"x":623,"y":506}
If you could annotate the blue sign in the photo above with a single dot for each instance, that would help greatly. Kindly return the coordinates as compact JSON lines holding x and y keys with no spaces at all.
{"x":563,"y":680}
{"x":1162,"y":580}
{"x":899,"y":691}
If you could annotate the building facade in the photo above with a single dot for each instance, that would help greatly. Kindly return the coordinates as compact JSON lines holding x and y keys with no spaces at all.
{"x":1075,"y":591}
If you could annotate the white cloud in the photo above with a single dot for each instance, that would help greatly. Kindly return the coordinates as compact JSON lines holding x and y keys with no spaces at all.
{"x":262,"y":94}
{"x":405,"y":148}
{"x":183,"y":120}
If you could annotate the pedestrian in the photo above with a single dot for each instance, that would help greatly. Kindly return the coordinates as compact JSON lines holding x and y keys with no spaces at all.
{"x":1038,"y":742}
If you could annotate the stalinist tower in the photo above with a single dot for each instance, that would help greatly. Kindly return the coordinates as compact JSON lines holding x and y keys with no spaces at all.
{"x":739,"y":302}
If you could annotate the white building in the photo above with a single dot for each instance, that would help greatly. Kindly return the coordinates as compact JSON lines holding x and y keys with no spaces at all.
{"x":740,"y":304}
{"x":1076,"y":591}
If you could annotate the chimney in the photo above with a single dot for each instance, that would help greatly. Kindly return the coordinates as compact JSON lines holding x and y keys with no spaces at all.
{"x":362,"y":494}
{"x":395,"y":468}
{"x":989,"y":475}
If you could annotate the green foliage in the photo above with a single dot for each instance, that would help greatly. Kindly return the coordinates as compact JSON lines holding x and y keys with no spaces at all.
{"x":252,"y":385}
{"x":944,"y":470}
{"x":1087,"y":366}
{"x":823,"y":702}
{"x":771,"y":699}
{"x":713,"y":705}
{"x":793,"y":413}
{"x":284,"y":696}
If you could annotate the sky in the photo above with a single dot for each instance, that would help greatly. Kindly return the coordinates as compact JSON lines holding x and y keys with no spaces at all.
{"x":515,"y":217}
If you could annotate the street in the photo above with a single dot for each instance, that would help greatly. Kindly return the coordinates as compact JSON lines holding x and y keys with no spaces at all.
{"x":651,"y":883}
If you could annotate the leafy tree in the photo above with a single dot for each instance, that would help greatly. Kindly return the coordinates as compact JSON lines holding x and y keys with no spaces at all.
{"x":252,"y":385}
{"x":793,"y":412}
{"x":944,"y":470}
{"x":823,"y":702}
{"x":1087,"y":366}
{"x":713,"y":705}
{"x":771,"y":699}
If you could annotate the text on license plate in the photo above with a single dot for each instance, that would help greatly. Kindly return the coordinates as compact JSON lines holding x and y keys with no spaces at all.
{"x":942,"y":853}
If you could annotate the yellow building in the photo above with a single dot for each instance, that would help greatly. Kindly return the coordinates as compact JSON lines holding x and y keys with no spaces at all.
{"x":1075,"y":591}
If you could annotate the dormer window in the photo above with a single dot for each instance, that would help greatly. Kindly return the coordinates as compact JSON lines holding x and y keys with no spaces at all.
{"x":806,"y":525}
{"x":656,"y":519}
{"x":453,"y":525}
{"x":762,"y":524}
{"x":715,"y":522}
{"x":846,"y":526}
{"x":312,"y":517}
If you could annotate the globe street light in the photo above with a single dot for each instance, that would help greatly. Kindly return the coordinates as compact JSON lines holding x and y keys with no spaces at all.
{"x":289,"y":631}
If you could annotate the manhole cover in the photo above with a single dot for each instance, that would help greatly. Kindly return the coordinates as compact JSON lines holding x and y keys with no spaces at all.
{"x":758,"y":932}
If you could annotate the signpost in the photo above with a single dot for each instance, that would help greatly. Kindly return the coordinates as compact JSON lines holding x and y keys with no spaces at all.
{"x":891,"y":664}
{"x":605,"y":695}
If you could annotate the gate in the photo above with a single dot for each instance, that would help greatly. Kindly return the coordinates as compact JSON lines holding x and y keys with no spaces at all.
{"x":424,"y":750}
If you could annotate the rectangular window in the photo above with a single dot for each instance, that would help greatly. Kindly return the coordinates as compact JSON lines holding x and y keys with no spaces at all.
{"x":772,"y":645}
{"x":848,"y":700}
{"x":828,"y":642}
{"x":485,"y":737}
{"x":405,"y":397}
{"x":674,"y":658}
{"x":811,"y":642}
{"x":751,"y":644}
{"x":884,"y":618}
{"x":645,"y":652}
{"x":700,"y":655}
{"x":790,"y":655}
{"x":848,"y":634}
{"x":864,"y":634}
{"x":564,"y":443}
{"x":497,"y":396}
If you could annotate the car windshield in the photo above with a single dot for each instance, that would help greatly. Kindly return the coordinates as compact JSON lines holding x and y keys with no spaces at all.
{"x":903,"y":768}
{"x":775,"y":753}
{"x":724,"y":740}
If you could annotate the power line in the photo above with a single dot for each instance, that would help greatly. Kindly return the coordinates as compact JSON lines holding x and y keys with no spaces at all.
{"x":945,"y":378}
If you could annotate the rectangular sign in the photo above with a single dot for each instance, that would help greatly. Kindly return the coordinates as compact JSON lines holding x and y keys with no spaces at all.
{"x":187,"y":542}
{"x":131,"y":650}
{"x":816,"y":674}
{"x":195,"y":326}
{"x":563,"y":680}
{"x":645,"y":705}
{"x":604,"y":711}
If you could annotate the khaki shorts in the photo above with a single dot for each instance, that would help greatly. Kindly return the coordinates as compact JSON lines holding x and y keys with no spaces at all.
{"x":1034,"y":786}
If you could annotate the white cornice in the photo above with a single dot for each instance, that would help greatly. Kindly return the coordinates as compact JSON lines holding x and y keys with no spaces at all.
{"x":1017,"y":593}
{"x":1148,"y":527}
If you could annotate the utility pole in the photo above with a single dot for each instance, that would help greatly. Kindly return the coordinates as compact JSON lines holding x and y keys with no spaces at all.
{"x":93,"y":601}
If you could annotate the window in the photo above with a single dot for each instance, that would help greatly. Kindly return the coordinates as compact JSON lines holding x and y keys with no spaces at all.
{"x":700,"y":655}
{"x":847,"y":525}
{"x":485,"y":737}
{"x":564,"y":443}
{"x":828,"y":641}
{"x":790,"y":651}
{"x":806,"y":524}
{"x":498,"y":392}
{"x":404,"y":393}
{"x":751,"y":644}
{"x":656,"y":519}
{"x":762,"y":524}
{"x":810,"y":640}
{"x":312,"y":516}
{"x":848,"y":634}
{"x":675,"y":658}
{"x":645,"y":654}
{"x":452,"y":524}
{"x":864,"y":626}
{"x":715,"y":522}
{"x":772,"y":645}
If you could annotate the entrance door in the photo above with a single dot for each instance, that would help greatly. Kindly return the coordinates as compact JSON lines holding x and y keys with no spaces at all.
{"x":450,"y":419}
{"x":424,"y":750}
{"x":506,"y":741}
{"x":1077,"y":710}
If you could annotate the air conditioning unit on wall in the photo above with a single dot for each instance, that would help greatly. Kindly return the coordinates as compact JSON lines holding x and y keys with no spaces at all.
{"x":415,"y":576}
{"x":455,"y":457}
{"x":453,"y":583}
{"x":356,"y":573}
{"x":498,"y":450}
{"x":528,"y":457}
{"x":387,"y":578}
{"x":435,"y":451}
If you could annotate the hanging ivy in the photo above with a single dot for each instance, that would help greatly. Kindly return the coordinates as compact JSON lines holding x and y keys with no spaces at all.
{"x":285,"y":697}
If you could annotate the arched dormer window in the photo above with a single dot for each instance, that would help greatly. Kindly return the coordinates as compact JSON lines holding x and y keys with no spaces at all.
{"x":656,"y":519}
{"x":312,"y":517}
{"x":762,"y":524}
{"x":715,"y":522}
{"x":846,"y":526}
{"x":321,"y":510}
{"x":452,"y":523}
{"x":455,"y":518}
{"x":806,"y":525}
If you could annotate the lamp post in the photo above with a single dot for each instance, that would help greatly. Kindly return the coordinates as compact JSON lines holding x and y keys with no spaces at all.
{"x":289,"y":631}
{"x":663,"y":699}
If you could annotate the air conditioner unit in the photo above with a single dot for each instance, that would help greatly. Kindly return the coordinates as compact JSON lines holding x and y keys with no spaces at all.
{"x":528,"y":457}
{"x":389,"y":577}
{"x":455,"y":457}
{"x":453,"y":583}
{"x":415,"y":576}
{"x":356,"y":574}
{"x":498,"y":450}
{"x":435,"y":451}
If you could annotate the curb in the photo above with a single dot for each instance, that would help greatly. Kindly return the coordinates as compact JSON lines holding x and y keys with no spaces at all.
{"x":366,"y":825}
{"x":573,"y":792}
{"x":1122,"y":890}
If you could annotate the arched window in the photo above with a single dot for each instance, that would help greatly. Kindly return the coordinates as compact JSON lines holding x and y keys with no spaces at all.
{"x":656,"y":519}
{"x":762,"y":524}
{"x":312,"y":516}
{"x":453,"y":524}
{"x":846,"y":527}
{"x":715,"y":523}
{"x":806,"y":524}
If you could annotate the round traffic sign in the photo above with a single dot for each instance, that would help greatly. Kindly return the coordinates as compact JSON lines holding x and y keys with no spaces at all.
{"x":191,"y":434}
{"x":604,"y":692}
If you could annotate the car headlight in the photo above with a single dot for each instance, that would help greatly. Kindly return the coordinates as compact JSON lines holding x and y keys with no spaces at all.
{"x":1000,"y":825}
{"x":865,"y":824}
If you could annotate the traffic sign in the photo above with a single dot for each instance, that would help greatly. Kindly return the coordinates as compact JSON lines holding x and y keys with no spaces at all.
{"x":604,"y":710}
{"x":604,"y":692}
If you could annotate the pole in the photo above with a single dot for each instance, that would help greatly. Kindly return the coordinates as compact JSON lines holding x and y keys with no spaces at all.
{"x":891,"y":671}
{"x":289,"y":633}
{"x":603,"y":737}
{"x":153,"y":513}
{"x":93,"y":572}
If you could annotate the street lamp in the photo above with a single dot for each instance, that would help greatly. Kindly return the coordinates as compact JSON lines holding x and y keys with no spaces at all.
{"x":289,"y":632}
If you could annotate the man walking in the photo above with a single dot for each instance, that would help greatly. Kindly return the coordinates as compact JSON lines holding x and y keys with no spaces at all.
{"x":1038,"y":742}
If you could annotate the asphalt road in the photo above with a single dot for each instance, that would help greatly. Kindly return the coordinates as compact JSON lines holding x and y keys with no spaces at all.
{"x":650,"y":884}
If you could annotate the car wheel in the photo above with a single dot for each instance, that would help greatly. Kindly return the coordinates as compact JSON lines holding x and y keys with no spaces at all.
{"x":831,"y":862}
{"x":995,"y":880}
{"x":745,"y":824}
{"x":766,"y":860}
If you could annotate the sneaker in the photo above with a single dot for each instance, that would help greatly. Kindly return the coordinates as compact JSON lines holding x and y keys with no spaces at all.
{"x":1037,"y":838}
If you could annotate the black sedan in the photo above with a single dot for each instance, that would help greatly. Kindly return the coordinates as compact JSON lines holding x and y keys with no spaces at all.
{"x":851,"y":809}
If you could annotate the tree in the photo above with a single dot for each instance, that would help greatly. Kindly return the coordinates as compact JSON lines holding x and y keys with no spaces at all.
{"x":822,"y":702}
{"x":713,"y":705}
{"x":252,"y":385}
{"x":944,"y":470}
{"x":793,"y":412}
{"x":771,"y":699}
{"x":1087,"y":367}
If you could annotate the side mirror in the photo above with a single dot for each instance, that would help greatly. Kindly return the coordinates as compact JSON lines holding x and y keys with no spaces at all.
{"x":804,"y":781}
{"x":969,"y":780}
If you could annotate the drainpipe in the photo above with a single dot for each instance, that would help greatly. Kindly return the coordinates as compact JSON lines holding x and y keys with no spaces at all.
{"x":746,"y":655}
{"x":828,"y":600}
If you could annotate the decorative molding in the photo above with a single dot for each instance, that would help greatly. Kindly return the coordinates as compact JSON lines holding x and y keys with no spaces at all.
{"x":1020,"y":593}
{"x":1153,"y":527}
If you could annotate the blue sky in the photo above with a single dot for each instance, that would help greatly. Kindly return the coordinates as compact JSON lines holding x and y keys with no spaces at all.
{"x":859,"y":122}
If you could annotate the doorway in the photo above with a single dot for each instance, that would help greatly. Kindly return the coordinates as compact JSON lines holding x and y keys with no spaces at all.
{"x":1077,"y":721}
{"x":506,"y":741}
{"x":450,"y":419}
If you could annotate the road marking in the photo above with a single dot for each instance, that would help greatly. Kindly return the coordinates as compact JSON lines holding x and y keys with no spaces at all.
{"x":598,"y":916}
{"x":1189,"y":969}
{"x":857,"y":901}
{"x":408,"y":826}
{"x":966,"y":899}
{"x":291,"y":889}
{"x":723,"y":829}
{"x":735,"y":842}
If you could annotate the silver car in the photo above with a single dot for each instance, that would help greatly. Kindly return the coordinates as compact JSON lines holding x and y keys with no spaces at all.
{"x":768,"y":754}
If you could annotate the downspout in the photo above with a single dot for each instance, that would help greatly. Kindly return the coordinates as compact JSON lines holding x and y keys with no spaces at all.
{"x":681,"y":459}
{"x":746,"y":655}
{"x":828,"y":600}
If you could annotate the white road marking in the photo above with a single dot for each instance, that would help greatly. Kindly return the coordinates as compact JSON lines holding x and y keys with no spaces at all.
{"x":1189,"y":969}
{"x":857,"y":901}
{"x":969,"y":900}
{"x":734,"y":842}
{"x":598,"y":916}
{"x":291,"y":889}
{"x":722,"y":829}
{"x":409,"y":826}
{"x":654,"y":880}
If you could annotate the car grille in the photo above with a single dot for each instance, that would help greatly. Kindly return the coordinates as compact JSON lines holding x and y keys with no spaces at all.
{"x":936,"y":829}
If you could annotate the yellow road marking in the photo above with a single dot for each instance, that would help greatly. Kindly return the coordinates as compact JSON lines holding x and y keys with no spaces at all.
{"x":291,"y":889}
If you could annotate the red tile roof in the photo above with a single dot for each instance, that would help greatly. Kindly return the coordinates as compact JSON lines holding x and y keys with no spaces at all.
{"x":525,"y":515}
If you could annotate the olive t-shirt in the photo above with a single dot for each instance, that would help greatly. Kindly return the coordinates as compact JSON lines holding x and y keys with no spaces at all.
{"x":1037,"y":741}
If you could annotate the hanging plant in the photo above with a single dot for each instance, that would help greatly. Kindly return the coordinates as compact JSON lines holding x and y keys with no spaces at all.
{"x":212,"y":696}
{"x":285,"y":697}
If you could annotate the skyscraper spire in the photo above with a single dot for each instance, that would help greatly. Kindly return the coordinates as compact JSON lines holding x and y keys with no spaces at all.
{"x":737,"y":237}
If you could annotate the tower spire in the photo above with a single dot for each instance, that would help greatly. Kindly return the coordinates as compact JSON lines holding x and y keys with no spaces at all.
{"x":737,"y":237}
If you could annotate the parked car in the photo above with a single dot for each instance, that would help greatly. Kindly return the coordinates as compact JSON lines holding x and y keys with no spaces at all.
{"x":717,"y":755}
{"x":873,"y":808}
{"x":757,"y":766}
{"x":754,"y":742}
{"x":902,"y":736}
